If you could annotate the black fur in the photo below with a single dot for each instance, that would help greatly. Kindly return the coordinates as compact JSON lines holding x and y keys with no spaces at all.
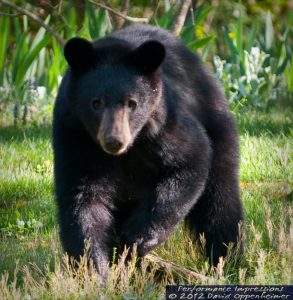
{"x":182,"y":161}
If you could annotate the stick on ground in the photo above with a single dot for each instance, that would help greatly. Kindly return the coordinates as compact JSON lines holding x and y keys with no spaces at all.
{"x":172,"y":266}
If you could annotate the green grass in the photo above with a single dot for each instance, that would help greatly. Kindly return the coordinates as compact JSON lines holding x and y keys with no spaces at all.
{"x":32,"y":265}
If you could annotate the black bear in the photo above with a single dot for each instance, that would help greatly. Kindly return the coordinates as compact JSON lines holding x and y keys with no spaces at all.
{"x":143,"y":139}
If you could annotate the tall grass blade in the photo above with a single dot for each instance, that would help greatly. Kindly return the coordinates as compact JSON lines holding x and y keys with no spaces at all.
{"x":236,"y":57}
{"x":19,"y":54}
{"x":239,"y":35}
{"x":269,"y":34}
{"x":289,"y":75}
{"x":200,"y":43}
{"x":57,"y":67}
{"x":102,"y":24}
{"x":40,"y":34}
{"x":70,"y":17}
{"x":25,"y":23}
{"x":41,"y":63}
{"x":167,"y":5}
{"x":202,"y":12}
{"x":31,"y":55}
{"x":283,"y":58}
{"x":232,"y":48}
{"x":165,"y":20}
{"x":25,"y":62}
{"x":205,"y":52}
{"x":92,"y":19}
{"x":252,"y":37}
{"x":187,"y":34}
{"x":4,"y":25}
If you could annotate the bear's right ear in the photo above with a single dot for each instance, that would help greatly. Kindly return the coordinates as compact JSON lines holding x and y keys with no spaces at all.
{"x":149,"y":56}
{"x":79,"y":53}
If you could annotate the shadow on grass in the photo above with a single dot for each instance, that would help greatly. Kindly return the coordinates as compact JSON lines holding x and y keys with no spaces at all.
{"x":23,"y":190}
{"x":20,"y":133}
{"x":28,"y":250}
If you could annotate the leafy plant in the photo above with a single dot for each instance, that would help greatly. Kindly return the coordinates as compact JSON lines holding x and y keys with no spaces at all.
{"x":253,"y":70}
{"x":19,"y":83}
{"x":31,"y":60}
{"x":256,"y":86}
{"x":22,"y":228}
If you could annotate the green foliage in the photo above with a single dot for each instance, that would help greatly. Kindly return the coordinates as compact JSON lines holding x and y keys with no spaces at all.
{"x":97,"y":22}
{"x":24,"y":63}
{"x":26,"y":67}
{"x":31,"y":60}
{"x":254,"y":72}
{"x":256,"y":85}
{"x":22,"y":228}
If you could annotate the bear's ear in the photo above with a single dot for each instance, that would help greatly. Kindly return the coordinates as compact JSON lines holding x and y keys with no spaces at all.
{"x":149,"y":56}
{"x":79,"y":53}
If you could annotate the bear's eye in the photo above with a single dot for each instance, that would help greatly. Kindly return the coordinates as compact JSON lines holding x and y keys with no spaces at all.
{"x":132,"y":104}
{"x":98,"y":102}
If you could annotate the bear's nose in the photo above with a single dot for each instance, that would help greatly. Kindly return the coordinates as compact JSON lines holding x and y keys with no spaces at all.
{"x":113,"y":144}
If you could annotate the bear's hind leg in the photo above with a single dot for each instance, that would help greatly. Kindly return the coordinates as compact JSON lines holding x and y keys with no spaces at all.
{"x":218,"y":212}
{"x":217,"y":215}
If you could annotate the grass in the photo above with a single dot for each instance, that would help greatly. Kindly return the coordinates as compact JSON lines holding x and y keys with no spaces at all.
{"x":32,"y":264}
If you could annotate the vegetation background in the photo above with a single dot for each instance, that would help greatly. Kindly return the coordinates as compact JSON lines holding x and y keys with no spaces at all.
{"x":248,"y":46}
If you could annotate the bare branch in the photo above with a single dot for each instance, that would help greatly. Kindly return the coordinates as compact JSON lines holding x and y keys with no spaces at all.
{"x":170,"y":265}
{"x":127,"y":18}
{"x":35,"y":18}
{"x":185,"y":4}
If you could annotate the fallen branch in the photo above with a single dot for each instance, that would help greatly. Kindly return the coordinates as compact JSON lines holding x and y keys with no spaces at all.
{"x":181,"y":17}
{"x":35,"y":18}
{"x":170,"y":265}
{"x":117,"y":13}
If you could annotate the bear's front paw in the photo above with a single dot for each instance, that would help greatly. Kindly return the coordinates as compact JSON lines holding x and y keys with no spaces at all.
{"x":145,"y":236}
{"x":145,"y":243}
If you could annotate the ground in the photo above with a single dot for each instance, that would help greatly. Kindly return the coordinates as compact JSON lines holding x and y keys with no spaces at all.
{"x":30,"y":251}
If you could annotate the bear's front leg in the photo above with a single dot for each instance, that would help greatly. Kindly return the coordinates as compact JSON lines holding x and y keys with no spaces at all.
{"x":164,"y":208}
{"x":88,"y":220}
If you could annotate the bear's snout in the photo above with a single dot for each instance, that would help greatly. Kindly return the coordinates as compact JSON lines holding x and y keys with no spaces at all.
{"x":113,"y":144}
{"x":114,"y":133}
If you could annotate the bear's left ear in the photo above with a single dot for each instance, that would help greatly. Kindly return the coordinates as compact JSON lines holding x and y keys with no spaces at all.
{"x":79,"y":53}
{"x":149,"y":56}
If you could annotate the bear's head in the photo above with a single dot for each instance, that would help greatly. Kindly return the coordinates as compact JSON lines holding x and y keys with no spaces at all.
{"x":114,"y":88}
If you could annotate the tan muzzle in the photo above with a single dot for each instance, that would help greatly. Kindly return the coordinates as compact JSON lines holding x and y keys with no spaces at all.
{"x":114,"y":132}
